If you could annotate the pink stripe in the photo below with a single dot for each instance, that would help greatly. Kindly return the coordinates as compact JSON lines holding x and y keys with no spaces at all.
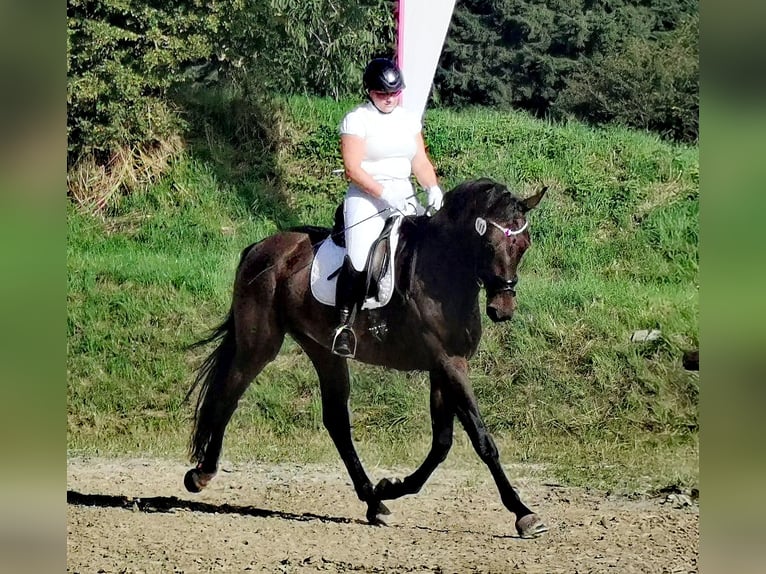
{"x":400,"y":41}
{"x":400,"y":36}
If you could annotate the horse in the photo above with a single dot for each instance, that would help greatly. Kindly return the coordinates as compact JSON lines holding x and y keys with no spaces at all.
{"x":433,"y":324}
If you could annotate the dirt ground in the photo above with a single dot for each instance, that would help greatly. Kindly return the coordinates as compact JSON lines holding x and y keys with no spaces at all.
{"x":131,"y":516}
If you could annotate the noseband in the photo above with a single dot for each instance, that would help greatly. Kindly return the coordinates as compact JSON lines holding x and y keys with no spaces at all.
{"x":496,"y":284}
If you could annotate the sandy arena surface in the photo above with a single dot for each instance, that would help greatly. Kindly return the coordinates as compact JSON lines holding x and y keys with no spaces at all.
{"x":131,"y":516}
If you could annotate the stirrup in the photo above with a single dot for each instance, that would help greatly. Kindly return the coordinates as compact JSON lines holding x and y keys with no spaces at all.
{"x":342,"y":352}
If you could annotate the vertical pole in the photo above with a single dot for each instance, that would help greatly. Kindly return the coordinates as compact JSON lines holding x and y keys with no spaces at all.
{"x":421,"y":29}
{"x":400,"y":38}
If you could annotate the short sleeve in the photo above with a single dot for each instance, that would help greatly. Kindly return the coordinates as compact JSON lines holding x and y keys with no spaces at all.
{"x":353,"y":124}
{"x":409,"y":121}
{"x":417,"y":125}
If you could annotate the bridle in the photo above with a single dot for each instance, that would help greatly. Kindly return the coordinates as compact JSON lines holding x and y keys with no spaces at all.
{"x":481,"y":227}
{"x":496,"y":284}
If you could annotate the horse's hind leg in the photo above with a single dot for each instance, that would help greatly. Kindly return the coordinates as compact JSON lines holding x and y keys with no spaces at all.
{"x":442,"y":423}
{"x":257,"y":341}
{"x":528,"y":524}
{"x":334,"y":383}
{"x":214,"y":414}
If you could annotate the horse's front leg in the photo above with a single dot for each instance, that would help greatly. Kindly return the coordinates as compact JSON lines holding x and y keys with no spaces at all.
{"x":442,"y":422}
{"x":528,"y":524}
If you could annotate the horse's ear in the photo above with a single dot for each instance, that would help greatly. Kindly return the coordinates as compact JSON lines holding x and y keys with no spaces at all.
{"x":531,"y":202}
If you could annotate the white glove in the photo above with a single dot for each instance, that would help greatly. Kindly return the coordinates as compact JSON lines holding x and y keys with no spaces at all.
{"x":435,"y":198}
{"x":394,"y":200}
{"x":412,"y":206}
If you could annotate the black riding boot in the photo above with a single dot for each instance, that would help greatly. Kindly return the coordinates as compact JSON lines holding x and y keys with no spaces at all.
{"x":347,"y":297}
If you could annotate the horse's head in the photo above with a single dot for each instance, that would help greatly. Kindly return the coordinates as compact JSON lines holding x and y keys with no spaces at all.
{"x":497,"y":221}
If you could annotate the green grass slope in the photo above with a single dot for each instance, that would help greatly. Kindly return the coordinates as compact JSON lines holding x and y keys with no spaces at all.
{"x":614,"y":251}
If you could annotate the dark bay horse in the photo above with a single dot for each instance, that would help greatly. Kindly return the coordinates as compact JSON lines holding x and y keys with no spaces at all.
{"x":431,"y":324}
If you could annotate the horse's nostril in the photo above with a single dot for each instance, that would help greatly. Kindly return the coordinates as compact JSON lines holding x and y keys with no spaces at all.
{"x":496,"y":316}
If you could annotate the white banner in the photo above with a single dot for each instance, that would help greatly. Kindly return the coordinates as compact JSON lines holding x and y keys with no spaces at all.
{"x":422,"y":27}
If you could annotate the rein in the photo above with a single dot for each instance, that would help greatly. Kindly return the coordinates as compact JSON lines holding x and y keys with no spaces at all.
{"x":332,"y":235}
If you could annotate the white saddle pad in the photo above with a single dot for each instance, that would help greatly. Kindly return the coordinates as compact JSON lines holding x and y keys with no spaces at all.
{"x":329,"y":258}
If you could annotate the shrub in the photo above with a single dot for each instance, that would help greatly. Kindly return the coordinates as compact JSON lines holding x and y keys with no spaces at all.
{"x":649,"y":83}
{"x":122,"y":57}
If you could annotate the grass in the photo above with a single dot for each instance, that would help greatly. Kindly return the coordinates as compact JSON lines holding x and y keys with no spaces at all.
{"x":562,"y":386}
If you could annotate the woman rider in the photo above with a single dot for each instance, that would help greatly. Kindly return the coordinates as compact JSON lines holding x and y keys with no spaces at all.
{"x":382,"y":146}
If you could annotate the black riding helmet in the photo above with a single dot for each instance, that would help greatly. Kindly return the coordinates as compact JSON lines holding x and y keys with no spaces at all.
{"x":382,"y":75}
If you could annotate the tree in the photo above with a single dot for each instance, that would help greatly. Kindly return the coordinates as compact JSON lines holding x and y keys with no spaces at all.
{"x":529,"y":53}
{"x":650,"y":84}
{"x":124,"y":56}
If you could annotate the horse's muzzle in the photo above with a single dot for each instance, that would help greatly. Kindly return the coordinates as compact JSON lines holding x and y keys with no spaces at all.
{"x":497,"y":315}
{"x":502,"y":306}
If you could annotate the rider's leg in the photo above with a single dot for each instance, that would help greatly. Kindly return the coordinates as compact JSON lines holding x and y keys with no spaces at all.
{"x":349,"y":294}
{"x":363,"y":225}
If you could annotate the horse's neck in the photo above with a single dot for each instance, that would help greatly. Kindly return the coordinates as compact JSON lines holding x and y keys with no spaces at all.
{"x":447,"y":266}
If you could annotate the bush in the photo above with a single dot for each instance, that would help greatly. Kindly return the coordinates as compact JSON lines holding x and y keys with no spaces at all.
{"x":649,"y":84}
{"x":625,"y":61}
{"x":122,"y":57}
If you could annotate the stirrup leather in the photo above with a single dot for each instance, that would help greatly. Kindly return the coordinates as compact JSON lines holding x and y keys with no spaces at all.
{"x":352,"y":341}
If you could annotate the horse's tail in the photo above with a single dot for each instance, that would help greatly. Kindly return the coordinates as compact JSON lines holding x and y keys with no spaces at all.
{"x":210,"y":379}
{"x":211,"y":376}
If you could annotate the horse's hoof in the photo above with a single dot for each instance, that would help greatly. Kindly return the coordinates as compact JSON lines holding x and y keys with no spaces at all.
{"x":195,"y":480}
{"x":190,"y":481}
{"x":376,"y":520}
{"x":386,"y":487}
{"x":530,"y":526}
{"x":376,"y":512}
{"x":383,"y":509}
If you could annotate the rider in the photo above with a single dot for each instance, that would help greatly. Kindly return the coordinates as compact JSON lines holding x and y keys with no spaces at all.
{"x":382,"y":145}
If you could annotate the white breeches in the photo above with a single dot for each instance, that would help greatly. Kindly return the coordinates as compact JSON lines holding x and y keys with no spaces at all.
{"x":366,"y":215}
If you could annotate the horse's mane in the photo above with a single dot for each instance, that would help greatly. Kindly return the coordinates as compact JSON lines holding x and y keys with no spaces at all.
{"x":482,"y":196}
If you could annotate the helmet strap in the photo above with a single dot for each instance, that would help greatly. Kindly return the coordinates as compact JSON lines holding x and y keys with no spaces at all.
{"x":376,"y":107}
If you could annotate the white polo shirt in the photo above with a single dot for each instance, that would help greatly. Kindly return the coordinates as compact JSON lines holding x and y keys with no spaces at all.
{"x":389,"y":138}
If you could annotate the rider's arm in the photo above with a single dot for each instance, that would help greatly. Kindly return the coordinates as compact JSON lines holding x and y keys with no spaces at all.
{"x":352,"y":149}
{"x":426,"y":175}
{"x":422,"y":166}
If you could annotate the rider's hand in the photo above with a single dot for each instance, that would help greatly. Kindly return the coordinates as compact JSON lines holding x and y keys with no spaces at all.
{"x":394,"y":200}
{"x":435,"y":197}
{"x":416,"y":207}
